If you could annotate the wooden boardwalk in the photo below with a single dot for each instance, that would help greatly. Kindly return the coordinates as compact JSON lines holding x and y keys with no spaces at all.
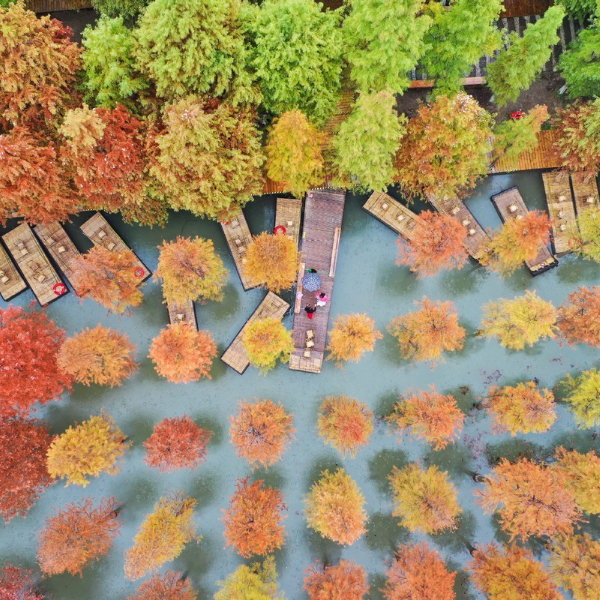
{"x":585,"y":190}
{"x":101,"y":233}
{"x":288,"y":215}
{"x":11,"y":282}
{"x":510,"y":205}
{"x":561,"y":209}
{"x":321,"y":236}
{"x":183,"y":312}
{"x":237,"y":234}
{"x":541,"y":156}
{"x":272,"y":306}
{"x":392,"y":213}
{"x":34,"y":264}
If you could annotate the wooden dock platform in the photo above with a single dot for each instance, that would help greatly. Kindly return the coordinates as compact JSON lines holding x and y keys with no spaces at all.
{"x":272,"y":306}
{"x":238,"y":236}
{"x":183,"y":312}
{"x":11,"y":282}
{"x":541,"y":156}
{"x":392,"y":213}
{"x":34,"y":264}
{"x":561,"y":208}
{"x":101,"y":233}
{"x":288,"y":214}
{"x":510,"y":205}
{"x":321,"y":236}
{"x":585,"y":190}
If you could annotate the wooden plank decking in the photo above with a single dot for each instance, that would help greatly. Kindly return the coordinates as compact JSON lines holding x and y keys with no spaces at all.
{"x":321,"y":235}
{"x":183,"y":312}
{"x":561,"y":209}
{"x":101,"y":233}
{"x":11,"y":282}
{"x":392,"y":213}
{"x":288,"y":214}
{"x":33,"y":263}
{"x":237,"y":234}
{"x":272,"y":306}
{"x":585,"y":190}
{"x":510,"y":205}
{"x":541,"y":156}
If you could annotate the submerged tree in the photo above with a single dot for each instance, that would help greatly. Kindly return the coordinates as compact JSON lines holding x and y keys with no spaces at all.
{"x":344,"y":581}
{"x":272,"y":261}
{"x":579,"y":64}
{"x":17,"y":584}
{"x":579,"y":317}
{"x":255,"y":582}
{"x":514,"y":136}
{"x":582,"y":397}
{"x":586,"y":243}
{"x":266,"y":341}
{"x":170,"y":586}
{"x":351,"y":336}
{"x":582,"y":476}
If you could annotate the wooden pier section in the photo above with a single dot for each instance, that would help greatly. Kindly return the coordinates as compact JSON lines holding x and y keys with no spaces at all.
{"x":585,"y":190}
{"x":321,"y":236}
{"x":510,"y":205}
{"x":101,"y":233}
{"x":561,"y":209}
{"x":34,"y":264}
{"x":238,"y":236}
{"x":392,"y":213}
{"x":288,"y":214}
{"x":183,"y":312}
{"x":11,"y":282}
{"x":235,"y":356}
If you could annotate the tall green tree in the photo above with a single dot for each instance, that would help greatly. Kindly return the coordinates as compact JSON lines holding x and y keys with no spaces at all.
{"x":580,"y":64}
{"x":127,"y":9}
{"x":519,"y":65}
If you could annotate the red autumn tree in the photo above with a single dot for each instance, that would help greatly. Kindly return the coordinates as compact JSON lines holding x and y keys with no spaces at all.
{"x":29,"y":345}
{"x":351,"y":336}
{"x":261,"y":432}
{"x":177,"y":443}
{"x":17,"y":584}
{"x":181,"y":354}
{"x":170,"y":586}
{"x":100,"y":355}
{"x":78,"y":535}
{"x":579,"y":317}
{"x":23,"y":473}
{"x":253,"y":522}
{"x":344,"y":581}
{"x":437,"y":242}
{"x":418,"y":573}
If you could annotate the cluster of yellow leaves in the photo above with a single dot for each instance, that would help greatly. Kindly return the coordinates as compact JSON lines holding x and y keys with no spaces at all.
{"x":272,"y":261}
{"x":255,"y":582}
{"x":266,"y":341}
{"x":351,"y":336}
{"x":582,"y":476}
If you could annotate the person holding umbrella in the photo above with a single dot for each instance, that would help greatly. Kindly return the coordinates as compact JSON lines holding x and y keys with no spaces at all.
{"x":311,"y":282}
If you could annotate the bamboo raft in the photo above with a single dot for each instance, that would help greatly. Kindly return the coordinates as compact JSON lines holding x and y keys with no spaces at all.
{"x":585,"y":190}
{"x":321,"y":236}
{"x":561,"y":209}
{"x":183,"y":312}
{"x":235,"y":356}
{"x":392,"y":213}
{"x":510,"y":205}
{"x":101,"y":233}
{"x":34,"y":264}
{"x":11,"y":282}
{"x":288,"y":215}
{"x":237,"y":234}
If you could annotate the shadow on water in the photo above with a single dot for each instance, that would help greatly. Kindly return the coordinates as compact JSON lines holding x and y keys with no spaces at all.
{"x":467,"y":280}
{"x":197,"y":558}
{"x":376,"y":585}
{"x":381,"y":467}
{"x":213,"y":425}
{"x":205,"y":488}
{"x":321,"y":549}
{"x":139,"y":428}
{"x":458,"y":540}
{"x":513,"y":450}
{"x":272,"y":477}
{"x":137,"y":492}
{"x":385,"y":405}
{"x":462,"y":583}
{"x":396,"y":281}
{"x":329,"y":463}
{"x":385,"y":534}
{"x":454,"y":458}
{"x":573,"y":272}
{"x":219,"y":311}
{"x":582,"y":440}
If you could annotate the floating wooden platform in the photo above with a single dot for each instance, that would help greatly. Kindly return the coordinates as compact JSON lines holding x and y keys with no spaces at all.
{"x":392,"y":213}
{"x":321,"y":236}
{"x":504,"y":201}
{"x":34,"y":264}
{"x":11,"y":282}
{"x":101,"y":233}
{"x":288,"y":214}
{"x":272,"y":306}
{"x":238,"y":236}
{"x":183,"y":312}
{"x":585,"y":190}
{"x":541,"y":156}
{"x":561,"y":208}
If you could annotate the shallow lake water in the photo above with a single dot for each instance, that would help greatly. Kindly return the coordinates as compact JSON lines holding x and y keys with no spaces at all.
{"x":367,"y":280}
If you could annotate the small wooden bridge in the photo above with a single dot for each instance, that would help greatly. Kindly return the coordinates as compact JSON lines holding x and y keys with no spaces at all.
{"x":238,"y":236}
{"x":585,"y":190}
{"x":561,"y":208}
{"x":11,"y":282}
{"x":392,"y":213}
{"x":288,"y":214}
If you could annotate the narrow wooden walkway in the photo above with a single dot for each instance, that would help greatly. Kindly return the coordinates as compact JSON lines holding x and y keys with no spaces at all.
{"x":11,"y":282}
{"x":585,"y":190}
{"x":510,"y":205}
{"x":542,"y":156}
{"x":561,"y":208}
{"x":34,"y":264}
{"x":392,"y":213}
{"x":183,"y":312}
{"x":101,"y":233}
{"x":288,"y":214}
{"x":238,"y":236}
{"x":321,"y":236}
{"x":272,"y":306}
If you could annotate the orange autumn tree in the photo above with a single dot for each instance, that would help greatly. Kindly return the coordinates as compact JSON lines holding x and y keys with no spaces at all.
{"x":100,"y":355}
{"x":579,"y":317}
{"x":418,"y":572}
{"x":511,"y":573}
{"x":170,"y":586}
{"x":426,"y":334}
{"x":260,"y":432}
{"x":272,"y":261}
{"x":530,"y":499}
{"x":522,"y":408}
{"x":177,"y":443}
{"x":181,"y":354}
{"x":351,"y":336}
{"x":582,"y":476}
{"x":162,"y":536}
{"x":77,"y":535}
{"x":335,"y":508}
{"x":266,"y":341}
{"x":344,"y":581}
{"x":437,"y":242}
{"x":17,"y":583}
{"x":345,"y":424}
{"x":430,"y":416}
{"x":425,"y":500}
{"x":253,"y":521}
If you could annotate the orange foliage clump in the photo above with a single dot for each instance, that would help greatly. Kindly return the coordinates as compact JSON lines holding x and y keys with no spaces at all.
{"x":170,"y":586}
{"x":579,"y":318}
{"x":344,"y":581}
{"x":351,"y":336}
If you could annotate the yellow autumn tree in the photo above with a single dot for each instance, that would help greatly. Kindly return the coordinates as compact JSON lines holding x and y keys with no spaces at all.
{"x":266,"y":341}
{"x":582,"y":476}
{"x":350,"y":337}
{"x":272,"y":261}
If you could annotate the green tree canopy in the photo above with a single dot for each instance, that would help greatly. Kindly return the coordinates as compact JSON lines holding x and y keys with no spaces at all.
{"x":119,"y":8}
{"x":513,"y":136}
{"x":580,"y":9}
{"x":580,"y":64}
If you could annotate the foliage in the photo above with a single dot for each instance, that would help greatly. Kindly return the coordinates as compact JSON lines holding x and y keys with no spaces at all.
{"x":255,"y":582}
{"x":261,"y":432}
{"x":266,"y":341}
{"x":335,"y":508}
{"x":253,"y":522}
{"x":177,"y":443}
{"x":77,"y":535}
{"x":430,"y":416}
{"x":170,"y":586}
{"x":272,"y":260}
{"x":23,"y":447}
{"x":446,"y":147}
{"x":180,"y":354}
{"x":418,"y":572}
{"x":581,"y":9}
{"x":424,"y":335}
{"x":425,"y":500}
{"x":582,"y":477}
{"x":351,"y":336}
{"x":531,"y":499}
{"x":345,"y":424}
{"x":368,"y":140}
{"x":344,"y":581}
{"x":579,"y":64}
{"x":579,"y":317}
{"x":293,"y":152}
{"x":521,"y":408}
{"x":17,"y":584}
{"x":86,"y":450}
{"x":582,"y":397}
{"x":520,"y":322}
{"x":587,"y":243}
{"x":514,"y":136}
{"x":162,"y":536}
{"x":100,"y":355}
{"x":126,"y":9}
